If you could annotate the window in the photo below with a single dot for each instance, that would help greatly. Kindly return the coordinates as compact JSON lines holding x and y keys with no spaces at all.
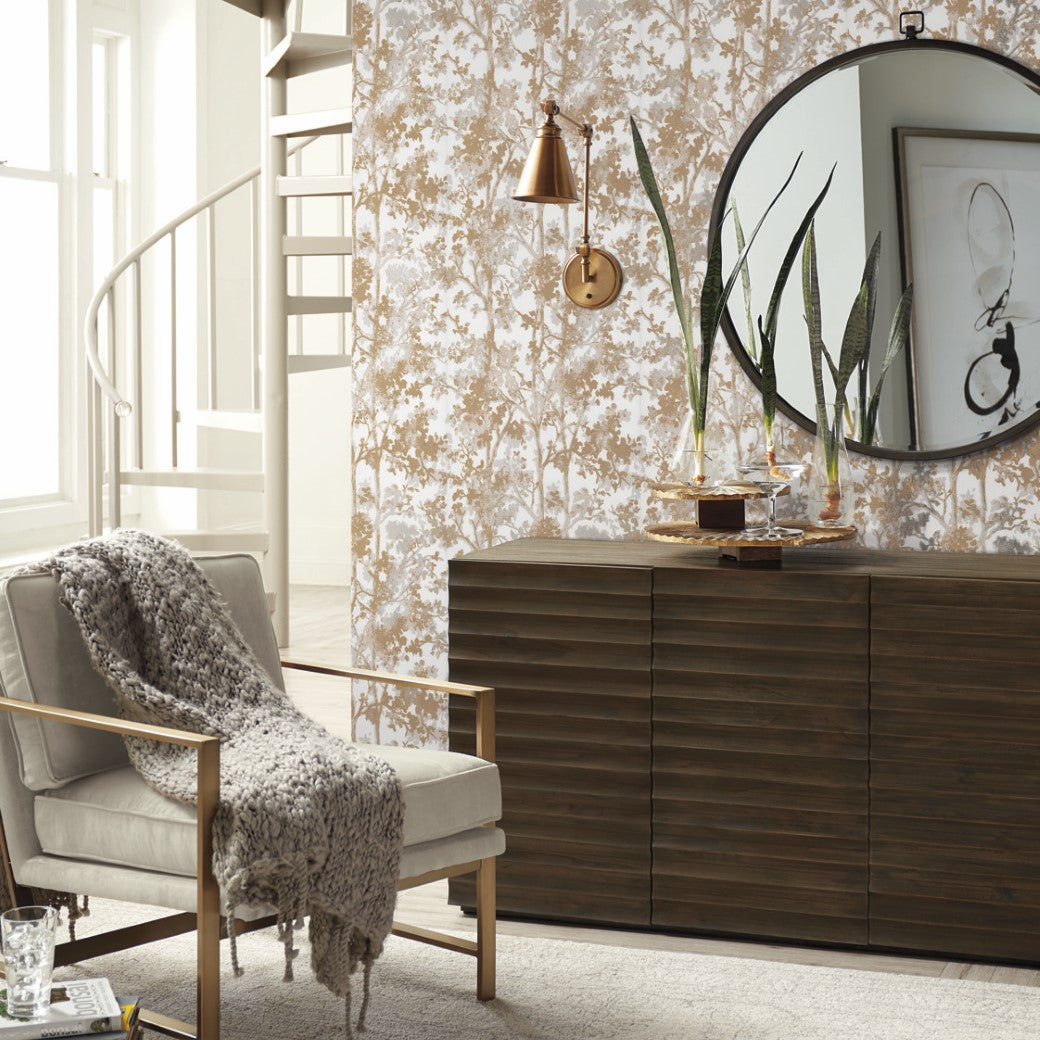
{"x":25,"y":73}
{"x":50,"y":251}
{"x":30,"y":179}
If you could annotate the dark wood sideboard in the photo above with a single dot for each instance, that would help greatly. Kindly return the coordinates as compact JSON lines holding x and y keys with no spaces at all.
{"x":845,"y":750}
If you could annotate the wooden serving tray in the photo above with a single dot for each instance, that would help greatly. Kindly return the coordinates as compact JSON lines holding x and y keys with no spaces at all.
{"x":733,"y":548}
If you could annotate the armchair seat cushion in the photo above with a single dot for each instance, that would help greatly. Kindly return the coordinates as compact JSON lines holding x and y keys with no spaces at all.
{"x":445,"y":793}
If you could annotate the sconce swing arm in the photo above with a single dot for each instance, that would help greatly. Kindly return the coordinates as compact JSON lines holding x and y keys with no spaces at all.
{"x":550,"y":108}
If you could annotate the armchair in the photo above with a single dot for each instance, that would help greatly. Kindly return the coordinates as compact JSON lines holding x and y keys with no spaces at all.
{"x":65,"y":778}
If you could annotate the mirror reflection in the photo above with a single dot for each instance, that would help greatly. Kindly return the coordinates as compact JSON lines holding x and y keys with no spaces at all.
{"x":937,"y":149}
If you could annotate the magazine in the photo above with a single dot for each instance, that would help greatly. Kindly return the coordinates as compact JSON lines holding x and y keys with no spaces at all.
{"x":84,"y":1006}
{"x":128,"y":1030}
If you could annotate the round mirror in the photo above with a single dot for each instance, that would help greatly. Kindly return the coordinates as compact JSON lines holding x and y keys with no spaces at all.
{"x":936,"y":148}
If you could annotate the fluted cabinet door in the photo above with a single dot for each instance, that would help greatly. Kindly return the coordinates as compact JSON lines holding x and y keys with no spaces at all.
{"x":760,"y":753}
{"x":955,"y":766}
{"x":568,"y":650}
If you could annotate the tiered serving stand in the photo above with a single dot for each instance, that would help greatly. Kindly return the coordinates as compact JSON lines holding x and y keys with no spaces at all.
{"x":719,"y":519}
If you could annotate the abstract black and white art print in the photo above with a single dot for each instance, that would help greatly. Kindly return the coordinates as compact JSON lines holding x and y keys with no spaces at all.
{"x":971,"y":246}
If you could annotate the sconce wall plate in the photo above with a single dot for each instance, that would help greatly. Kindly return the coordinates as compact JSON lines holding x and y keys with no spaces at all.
{"x":604,"y":281}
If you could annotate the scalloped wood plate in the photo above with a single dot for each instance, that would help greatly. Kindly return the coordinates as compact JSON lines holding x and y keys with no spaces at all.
{"x":734,"y":490}
{"x":690,"y":534}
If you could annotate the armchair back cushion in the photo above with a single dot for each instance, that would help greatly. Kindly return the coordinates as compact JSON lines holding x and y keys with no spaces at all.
{"x":43,"y":659}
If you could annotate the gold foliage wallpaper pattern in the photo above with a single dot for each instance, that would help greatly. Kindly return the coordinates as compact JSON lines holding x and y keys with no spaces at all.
{"x":486,"y":407}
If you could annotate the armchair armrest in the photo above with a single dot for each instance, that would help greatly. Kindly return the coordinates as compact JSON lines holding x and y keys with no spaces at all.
{"x":108,"y":723}
{"x":208,"y":783}
{"x":483,"y":695}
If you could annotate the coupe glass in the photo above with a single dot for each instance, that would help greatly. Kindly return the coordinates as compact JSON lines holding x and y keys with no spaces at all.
{"x":772,"y":480}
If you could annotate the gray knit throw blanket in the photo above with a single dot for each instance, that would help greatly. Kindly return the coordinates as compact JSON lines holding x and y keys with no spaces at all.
{"x":306,"y":823}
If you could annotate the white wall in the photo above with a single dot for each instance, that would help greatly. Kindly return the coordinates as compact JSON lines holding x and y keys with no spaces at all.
{"x":167,"y":184}
{"x":229,"y":133}
{"x":319,"y":477}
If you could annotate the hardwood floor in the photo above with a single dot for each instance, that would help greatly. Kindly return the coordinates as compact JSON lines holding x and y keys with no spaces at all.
{"x":319,"y":622}
{"x":320,"y":630}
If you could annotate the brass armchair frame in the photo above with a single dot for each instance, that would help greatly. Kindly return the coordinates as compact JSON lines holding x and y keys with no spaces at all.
{"x":207,"y":921}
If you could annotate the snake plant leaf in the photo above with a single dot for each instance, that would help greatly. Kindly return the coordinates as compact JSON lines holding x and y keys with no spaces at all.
{"x":854,"y":341}
{"x":766,"y":363}
{"x":831,"y":366}
{"x":773,"y":310}
{"x":813,"y":319}
{"x":870,"y":272}
{"x":898,"y":337}
{"x":715,"y":294}
{"x":767,"y":371}
{"x":711,"y":289}
{"x":646,"y":175}
{"x":713,"y":303}
{"x":745,"y":282}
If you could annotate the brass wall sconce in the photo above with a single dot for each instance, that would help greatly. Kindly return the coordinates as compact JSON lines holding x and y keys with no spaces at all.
{"x":592,"y":277}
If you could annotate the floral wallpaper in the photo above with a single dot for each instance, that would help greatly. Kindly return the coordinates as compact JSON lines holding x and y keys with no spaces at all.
{"x":486,"y":407}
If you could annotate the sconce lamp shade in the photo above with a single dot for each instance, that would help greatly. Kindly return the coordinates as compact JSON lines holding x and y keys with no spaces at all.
{"x":547,"y":174}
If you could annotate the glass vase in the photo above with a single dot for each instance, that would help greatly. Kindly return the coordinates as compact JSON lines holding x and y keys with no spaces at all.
{"x":692,"y":463}
{"x":829,"y":488}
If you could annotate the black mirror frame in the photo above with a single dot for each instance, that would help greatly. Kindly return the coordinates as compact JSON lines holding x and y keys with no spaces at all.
{"x":726,"y":182}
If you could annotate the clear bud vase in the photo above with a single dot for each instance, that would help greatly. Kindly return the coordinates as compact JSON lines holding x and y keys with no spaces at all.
{"x":692,"y":464}
{"x":830,"y":484}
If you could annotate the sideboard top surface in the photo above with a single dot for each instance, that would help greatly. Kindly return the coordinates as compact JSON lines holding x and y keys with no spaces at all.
{"x":637,"y":553}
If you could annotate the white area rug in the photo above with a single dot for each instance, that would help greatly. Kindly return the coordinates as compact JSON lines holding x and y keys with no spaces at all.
{"x":559,"y":990}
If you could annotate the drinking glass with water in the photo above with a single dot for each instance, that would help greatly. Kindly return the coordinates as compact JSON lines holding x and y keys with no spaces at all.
{"x":27,"y":933}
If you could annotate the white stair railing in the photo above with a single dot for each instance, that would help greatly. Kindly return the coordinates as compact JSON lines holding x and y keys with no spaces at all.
{"x":104,"y":427}
{"x":125,"y":348}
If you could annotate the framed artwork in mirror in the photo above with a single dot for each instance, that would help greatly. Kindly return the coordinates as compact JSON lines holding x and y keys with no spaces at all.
{"x":970,"y":243}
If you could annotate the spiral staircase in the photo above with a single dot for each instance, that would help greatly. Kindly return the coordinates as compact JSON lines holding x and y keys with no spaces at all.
{"x":150,"y":423}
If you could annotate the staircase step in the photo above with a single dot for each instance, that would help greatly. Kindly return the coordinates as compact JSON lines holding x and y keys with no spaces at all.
{"x":317,"y":245}
{"x":214,"y":419}
{"x":203,"y":479}
{"x":250,"y":6}
{"x":295,"y":187}
{"x":304,"y":124}
{"x":317,"y":362}
{"x":222,"y":541}
{"x":299,"y":53}
{"x":318,"y":305}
